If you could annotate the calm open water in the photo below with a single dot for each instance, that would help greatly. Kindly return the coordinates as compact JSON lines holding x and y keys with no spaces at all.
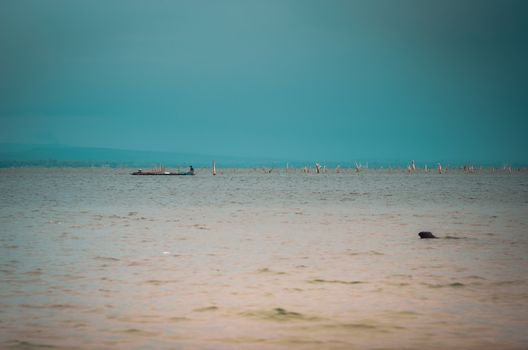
{"x":99,"y":259}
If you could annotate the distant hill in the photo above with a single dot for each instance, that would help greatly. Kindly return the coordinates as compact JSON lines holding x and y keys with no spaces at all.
{"x":24,"y":155}
{"x":60,"y":155}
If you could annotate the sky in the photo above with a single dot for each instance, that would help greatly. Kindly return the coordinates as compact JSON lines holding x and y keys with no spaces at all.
{"x":322,"y":80}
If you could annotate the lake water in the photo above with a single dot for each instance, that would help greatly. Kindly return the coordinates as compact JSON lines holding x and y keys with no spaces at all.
{"x":99,"y":259}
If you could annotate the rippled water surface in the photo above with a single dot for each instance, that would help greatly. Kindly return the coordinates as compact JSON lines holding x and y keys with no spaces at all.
{"x":96,"y":258}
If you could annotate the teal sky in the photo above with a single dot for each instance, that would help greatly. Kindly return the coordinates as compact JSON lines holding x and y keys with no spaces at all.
{"x":322,"y":80}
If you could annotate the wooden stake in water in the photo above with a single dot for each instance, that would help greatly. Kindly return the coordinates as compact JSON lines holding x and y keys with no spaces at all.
{"x":214,"y":167}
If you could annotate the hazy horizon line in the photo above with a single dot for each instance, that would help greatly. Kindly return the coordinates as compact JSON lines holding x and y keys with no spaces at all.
{"x":28,"y":153}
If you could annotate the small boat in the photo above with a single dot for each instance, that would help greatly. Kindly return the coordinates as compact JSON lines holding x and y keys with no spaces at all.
{"x":162,"y":171}
{"x":140,"y":172}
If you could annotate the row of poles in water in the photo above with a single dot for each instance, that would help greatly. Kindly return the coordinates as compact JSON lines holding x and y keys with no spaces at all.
{"x":411,"y":168}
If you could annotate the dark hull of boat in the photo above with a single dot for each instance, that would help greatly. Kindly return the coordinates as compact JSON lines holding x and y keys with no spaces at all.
{"x":161,"y":174}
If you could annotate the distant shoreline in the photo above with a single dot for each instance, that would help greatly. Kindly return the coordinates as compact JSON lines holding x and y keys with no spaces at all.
{"x":51,"y":164}
{"x":26,"y":155}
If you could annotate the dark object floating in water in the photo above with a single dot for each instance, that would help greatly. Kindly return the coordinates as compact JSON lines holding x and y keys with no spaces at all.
{"x":426,"y":234}
{"x":162,"y":171}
